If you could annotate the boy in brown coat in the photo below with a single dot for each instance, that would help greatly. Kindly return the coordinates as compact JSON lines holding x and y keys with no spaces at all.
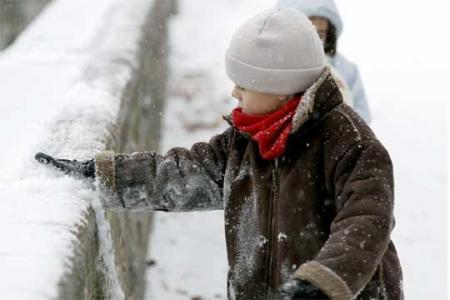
{"x":306,"y":187}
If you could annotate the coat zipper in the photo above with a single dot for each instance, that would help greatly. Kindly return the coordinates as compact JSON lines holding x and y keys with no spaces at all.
{"x":272,"y":240}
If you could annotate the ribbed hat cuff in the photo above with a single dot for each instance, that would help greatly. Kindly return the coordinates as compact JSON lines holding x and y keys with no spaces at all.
{"x":271,"y":81}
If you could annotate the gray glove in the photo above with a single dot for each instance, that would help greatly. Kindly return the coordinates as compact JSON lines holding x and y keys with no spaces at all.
{"x":71,"y":167}
{"x":296,"y":289}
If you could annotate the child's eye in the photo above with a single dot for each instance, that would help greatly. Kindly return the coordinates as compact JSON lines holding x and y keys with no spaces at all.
{"x":240,"y":88}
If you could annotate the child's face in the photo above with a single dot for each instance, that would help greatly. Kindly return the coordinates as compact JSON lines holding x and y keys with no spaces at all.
{"x":321,"y":25}
{"x":255,"y":103}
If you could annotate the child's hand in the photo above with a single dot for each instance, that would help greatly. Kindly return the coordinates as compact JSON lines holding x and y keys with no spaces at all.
{"x":296,"y":289}
{"x":70,"y":167}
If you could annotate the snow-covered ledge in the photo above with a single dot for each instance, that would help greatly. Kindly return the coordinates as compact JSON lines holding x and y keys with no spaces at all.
{"x":86,"y":76}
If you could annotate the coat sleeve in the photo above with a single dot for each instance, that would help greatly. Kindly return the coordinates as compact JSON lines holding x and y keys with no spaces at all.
{"x":360,"y":104}
{"x":360,"y":231}
{"x":180,"y":180}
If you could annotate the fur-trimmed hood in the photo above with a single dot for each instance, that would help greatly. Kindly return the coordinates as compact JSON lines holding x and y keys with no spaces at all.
{"x":318,"y":8}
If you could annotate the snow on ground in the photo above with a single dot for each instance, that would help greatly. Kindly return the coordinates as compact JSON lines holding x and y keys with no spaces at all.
{"x":59,"y":89}
{"x":397,"y":47}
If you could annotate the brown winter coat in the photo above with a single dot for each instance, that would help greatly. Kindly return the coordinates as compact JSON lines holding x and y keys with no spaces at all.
{"x":322,"y":212}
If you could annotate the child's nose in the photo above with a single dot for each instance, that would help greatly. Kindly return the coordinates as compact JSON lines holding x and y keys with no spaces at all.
{"x":235,"y":94}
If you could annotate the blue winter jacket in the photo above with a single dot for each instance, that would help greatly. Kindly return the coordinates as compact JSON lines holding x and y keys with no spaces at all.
{"x":348,"y":70}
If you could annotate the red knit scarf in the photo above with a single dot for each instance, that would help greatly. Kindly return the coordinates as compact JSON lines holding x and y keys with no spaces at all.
{"x":269,"y":131}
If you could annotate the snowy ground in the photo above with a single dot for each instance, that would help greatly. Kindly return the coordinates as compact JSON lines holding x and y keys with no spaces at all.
{"x":60,"y":88}
{"x":396,"y":45}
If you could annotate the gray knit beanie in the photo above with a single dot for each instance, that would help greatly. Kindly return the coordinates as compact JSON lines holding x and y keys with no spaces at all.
{"x":277,"y":52}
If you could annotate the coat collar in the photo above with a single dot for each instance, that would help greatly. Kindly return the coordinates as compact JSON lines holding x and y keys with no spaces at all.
{"x":317,"y":100}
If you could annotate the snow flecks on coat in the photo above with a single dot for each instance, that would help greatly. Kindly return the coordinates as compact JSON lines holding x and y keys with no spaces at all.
{"x":310,"y":232}
{"x":182,"y":192}
{"x":231,"y":291}
{"x":174,"y":182}
{"x":250,"y":241}
{"x":287,"y":270}
{"x":227,"y":187}
{"x":244,"y":171}
{"x":282,"y":237}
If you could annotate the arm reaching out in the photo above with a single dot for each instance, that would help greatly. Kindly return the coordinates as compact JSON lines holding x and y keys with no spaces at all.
{"x":180,"y":180}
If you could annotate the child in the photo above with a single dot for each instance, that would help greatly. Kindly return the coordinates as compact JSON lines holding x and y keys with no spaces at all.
{"x":325,"y":17}
{"x":306,"y":187}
